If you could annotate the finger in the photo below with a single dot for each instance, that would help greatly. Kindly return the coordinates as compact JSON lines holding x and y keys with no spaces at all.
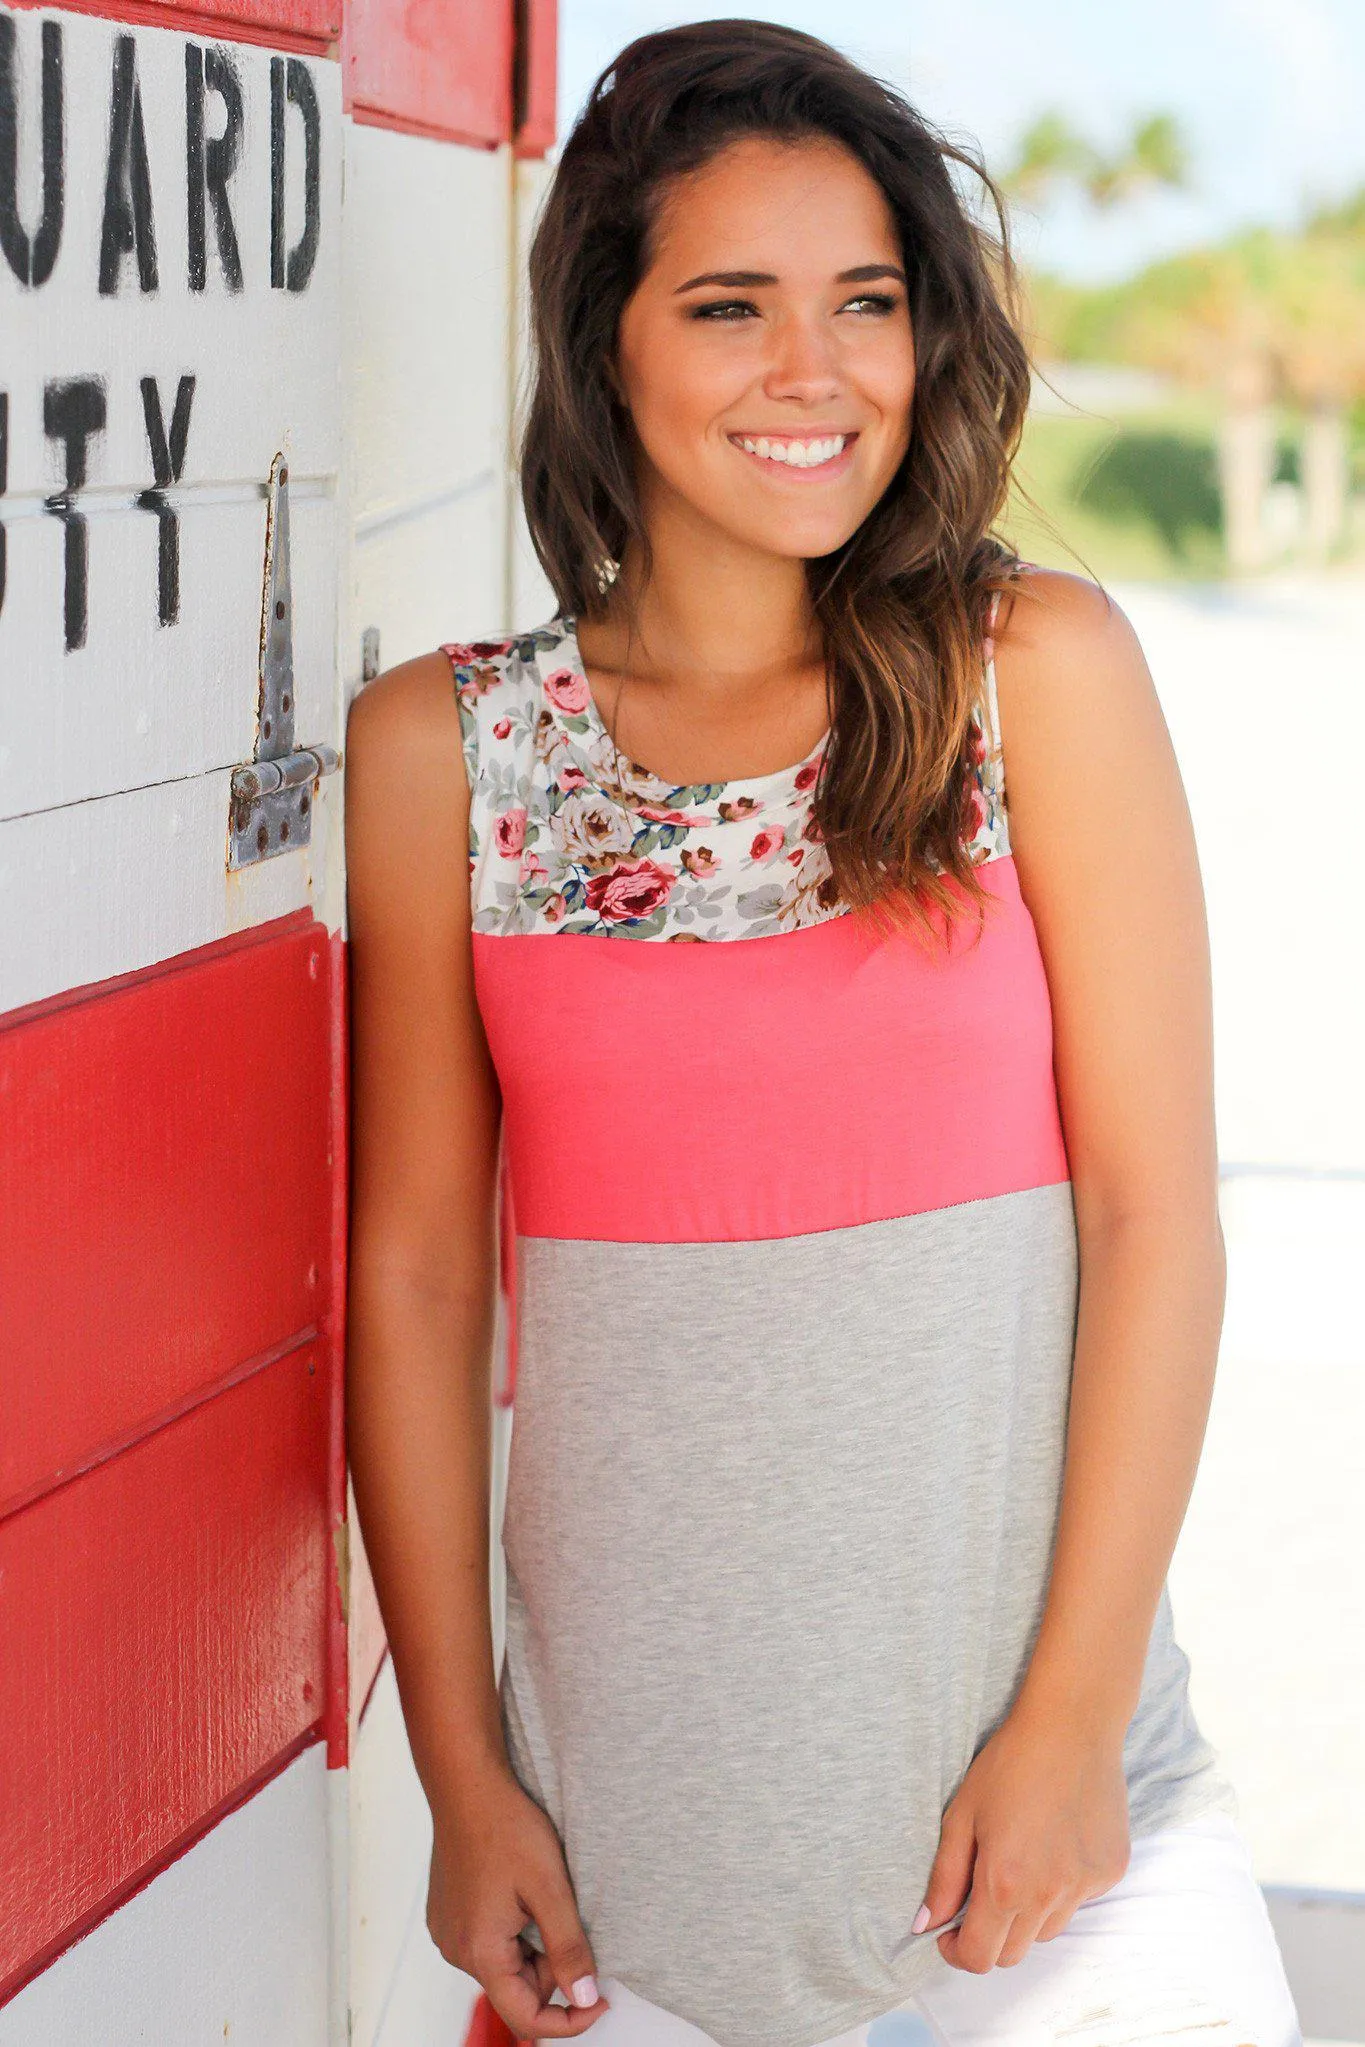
{"x":555,"y":1912}
{"x":975,"y":1944}
{"x":1022,"y":1935}
{"x":951,"y":1875}
{"x":519,"y":1982}
{"x":1056,"y":1922}
{"x":529,"y":2016}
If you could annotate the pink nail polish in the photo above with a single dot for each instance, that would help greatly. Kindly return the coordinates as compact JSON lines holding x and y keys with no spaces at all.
{"x":584,"y":1991}
{"x":920,"y":1920}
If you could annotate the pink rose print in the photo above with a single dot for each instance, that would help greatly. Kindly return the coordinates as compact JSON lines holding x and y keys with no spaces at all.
{"x":568,"y":692}
{"x":699,"y":859}
{"x":571,"y":778}
{"x":477,"y":685}
{"x":630,"y":889}
{"x":740,"y":807}
{"x":658,"y":814}
{"x":806,"y":778}
{"x":509,"y":831}
{"x":501,"y":728}
{"x":797,"y":855}
{"x":766,"y":843}
{"x":555,"y":910}
{"x":467,"y":651}
{"x":533,"y":868}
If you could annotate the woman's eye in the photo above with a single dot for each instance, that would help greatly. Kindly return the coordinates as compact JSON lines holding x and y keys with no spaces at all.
{"x":727,"y":310}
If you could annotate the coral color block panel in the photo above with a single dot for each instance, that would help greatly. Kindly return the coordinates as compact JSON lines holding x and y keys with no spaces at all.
{"x":164,"y":1190}
{"x":164,"y":1617}
{"x":430,"y":66}
{"x":864,"y":1077}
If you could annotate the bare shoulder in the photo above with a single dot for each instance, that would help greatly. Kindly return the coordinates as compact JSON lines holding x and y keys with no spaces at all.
{"x":403,"y":713}
{"x":1088,"y":759}
{"x":1074,"y":692}
{"x":407,"y":796}
{"x":1060,"y":632}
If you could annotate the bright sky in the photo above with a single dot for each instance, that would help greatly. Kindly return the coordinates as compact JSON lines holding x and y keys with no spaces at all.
{"x":1269,"y":94}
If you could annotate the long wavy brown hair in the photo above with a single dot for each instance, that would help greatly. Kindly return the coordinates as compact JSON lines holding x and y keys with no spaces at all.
{"x":903,"y":603}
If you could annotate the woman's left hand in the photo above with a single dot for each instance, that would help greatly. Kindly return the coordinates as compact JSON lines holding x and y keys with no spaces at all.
{"x":1038,"y":1825}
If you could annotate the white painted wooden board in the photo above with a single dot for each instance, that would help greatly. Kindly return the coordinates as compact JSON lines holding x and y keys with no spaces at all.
{"x":96,"y":889}
{"x":136,"y":699}
{"x":531,"y":598}
{"x":403,"y":1991}
{"x":141,"y":704}
{"x":427,"y":267}
{"x":230,"y":1942}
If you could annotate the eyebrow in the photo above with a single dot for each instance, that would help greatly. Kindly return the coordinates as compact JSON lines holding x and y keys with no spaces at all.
{"x":864,"y":273}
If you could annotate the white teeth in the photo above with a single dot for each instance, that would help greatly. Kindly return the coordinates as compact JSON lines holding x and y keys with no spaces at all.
{"x":797,"y":454}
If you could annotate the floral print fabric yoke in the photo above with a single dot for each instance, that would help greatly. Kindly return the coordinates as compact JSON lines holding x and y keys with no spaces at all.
{"x":566,"y":834}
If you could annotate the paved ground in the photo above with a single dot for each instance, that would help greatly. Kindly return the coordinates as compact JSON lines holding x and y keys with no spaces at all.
{"x":1264,"y":690}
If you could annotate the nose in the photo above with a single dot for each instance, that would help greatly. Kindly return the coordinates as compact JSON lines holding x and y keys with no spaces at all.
{"x":803,"y":362}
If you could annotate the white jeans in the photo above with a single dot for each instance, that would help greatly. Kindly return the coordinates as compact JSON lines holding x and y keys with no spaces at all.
{"x":1180,"y":1951}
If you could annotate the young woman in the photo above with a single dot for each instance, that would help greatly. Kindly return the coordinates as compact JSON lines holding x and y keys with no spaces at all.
{"x":849,"y":1130}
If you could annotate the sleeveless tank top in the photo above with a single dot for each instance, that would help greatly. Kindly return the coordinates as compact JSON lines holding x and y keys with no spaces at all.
{"x":791,"y":1275}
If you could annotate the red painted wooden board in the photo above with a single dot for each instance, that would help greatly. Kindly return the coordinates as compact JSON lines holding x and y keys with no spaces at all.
{"x":433,"y":67}
{"x":486,"y":2029}
{"x":164,"y":1620}
{"x":310,"y":25}
{"x":165,"y":1205}
{"x":536,"y":77}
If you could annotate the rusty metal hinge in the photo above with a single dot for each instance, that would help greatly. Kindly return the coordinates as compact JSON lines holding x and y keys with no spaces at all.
{"x":272,"y":796}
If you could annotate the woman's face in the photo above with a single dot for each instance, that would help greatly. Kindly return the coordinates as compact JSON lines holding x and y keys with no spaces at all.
{"x":775,"y":312}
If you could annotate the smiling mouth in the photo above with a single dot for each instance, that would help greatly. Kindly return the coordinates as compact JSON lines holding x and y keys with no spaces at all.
{"x":796,"y":451}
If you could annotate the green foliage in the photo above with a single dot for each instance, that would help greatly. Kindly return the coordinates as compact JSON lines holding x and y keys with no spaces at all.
{"x":1167,"y":480}
{"x":1131,"y":495}
{"x":1286,"y":308}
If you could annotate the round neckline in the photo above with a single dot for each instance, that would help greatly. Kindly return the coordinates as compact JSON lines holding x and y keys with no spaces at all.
{"x":778,"y":780}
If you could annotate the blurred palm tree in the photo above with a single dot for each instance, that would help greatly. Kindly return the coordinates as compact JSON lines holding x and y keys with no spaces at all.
{"x":1052,"y":153}
{"x":1205,"y":318}
{"x":1318,"y":324}
{"x":1268,"y":315}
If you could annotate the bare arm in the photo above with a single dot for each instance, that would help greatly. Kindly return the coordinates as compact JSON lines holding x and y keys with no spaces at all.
{"x":1106,"y":858}
{"x":425,"y":1123}
{"x":1105,"y":854}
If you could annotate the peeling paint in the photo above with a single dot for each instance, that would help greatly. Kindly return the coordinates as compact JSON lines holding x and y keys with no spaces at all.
{"x":341,"y":1545}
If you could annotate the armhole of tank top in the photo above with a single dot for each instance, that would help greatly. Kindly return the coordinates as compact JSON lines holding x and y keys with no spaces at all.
{"x":466,"y":709}
{"x":990,"y":705}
